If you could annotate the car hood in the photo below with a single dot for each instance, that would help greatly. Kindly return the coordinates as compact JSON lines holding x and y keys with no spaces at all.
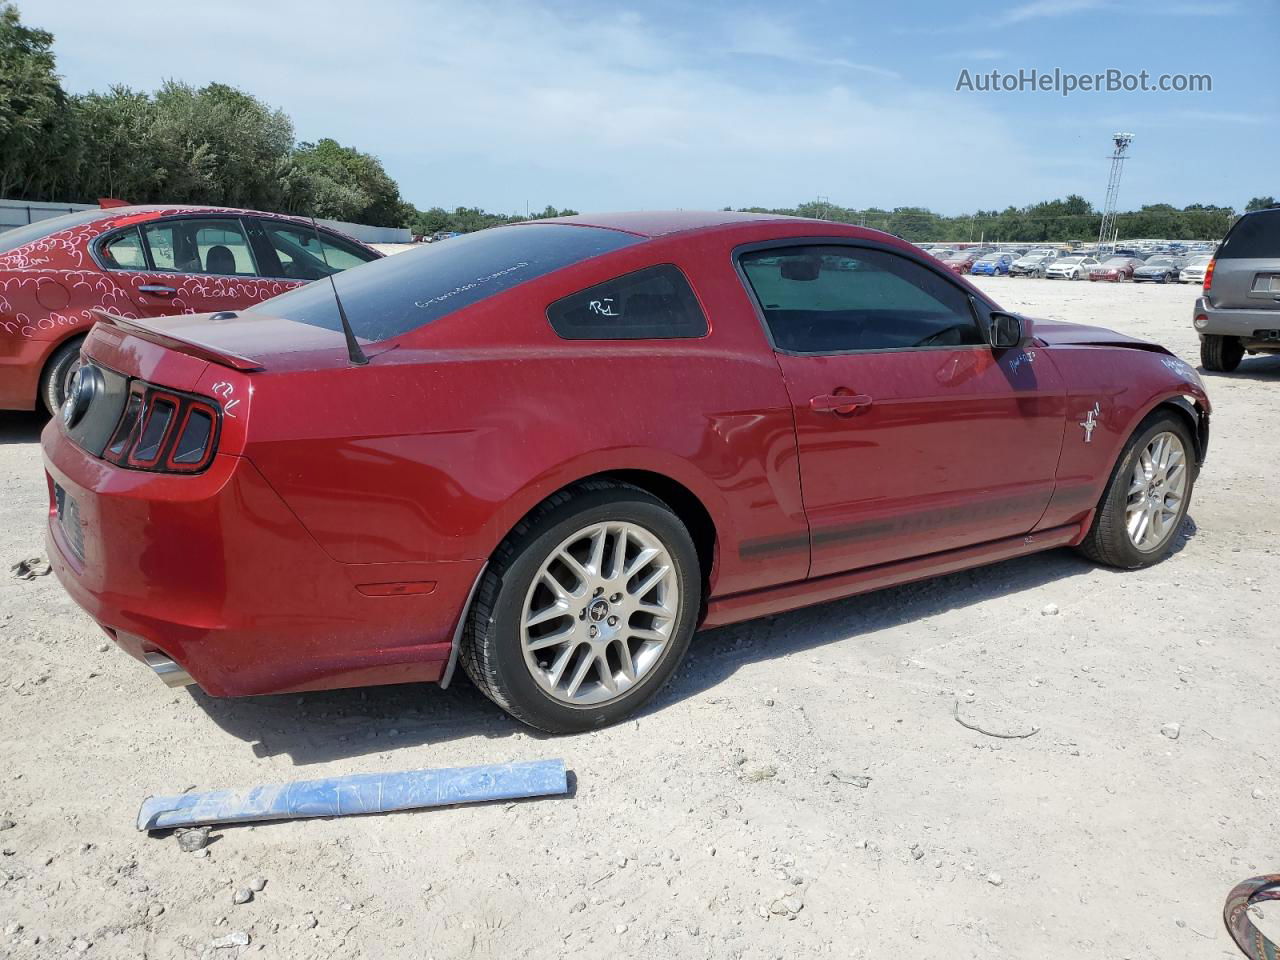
{"x":242,"y":341}
{"x":1057,"y":333}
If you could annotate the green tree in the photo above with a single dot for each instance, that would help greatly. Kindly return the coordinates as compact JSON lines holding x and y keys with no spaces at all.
{"x":345,"y":184}
{"x":37,"y":143}
{"x":1260,"y":203}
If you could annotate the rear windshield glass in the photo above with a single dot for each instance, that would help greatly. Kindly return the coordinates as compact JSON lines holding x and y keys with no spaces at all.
{"x":1255,"y":236}
{"x":388,"y":297}
{"x":21,"y":236}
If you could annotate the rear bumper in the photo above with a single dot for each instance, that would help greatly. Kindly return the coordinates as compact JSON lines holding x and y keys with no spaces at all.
{"x":21,"y":361}
{"x":215,"y":573}
{"x":1236,"y":323}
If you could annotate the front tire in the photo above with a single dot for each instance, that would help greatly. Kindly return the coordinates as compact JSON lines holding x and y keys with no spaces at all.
{"x":1220,"y":354}
{"x":56,"y":378}
{"x":1146,"y":499}
{"x":586,"y":610}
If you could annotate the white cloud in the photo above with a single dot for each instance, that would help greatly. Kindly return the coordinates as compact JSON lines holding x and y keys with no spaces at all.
{"x":517,"y":102}
{"x":1042,"y":9}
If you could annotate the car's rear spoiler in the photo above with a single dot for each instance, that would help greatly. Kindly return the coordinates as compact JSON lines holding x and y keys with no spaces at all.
{"x":187,"y":345}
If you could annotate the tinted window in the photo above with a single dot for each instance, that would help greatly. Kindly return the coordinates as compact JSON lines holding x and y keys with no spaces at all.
{"x":123,"y":251}
{"x":214,"y":246}
{"x":303,"y":258}
{"x":21,"y":236}
{"x":651,"y":304}
{"x":832,"y":299}
{"x":393,"y":295}
{"x":1255,"y":236}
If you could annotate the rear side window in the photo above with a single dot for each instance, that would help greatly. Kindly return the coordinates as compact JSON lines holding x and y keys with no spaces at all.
{"x":394,"y":295}
{"x":1255,"y":236}
{"x":651,"y":304}
{"x":123,"y":251}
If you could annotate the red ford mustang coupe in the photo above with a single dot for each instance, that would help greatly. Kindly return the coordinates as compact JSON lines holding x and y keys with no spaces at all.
{"x":549,"y":452}
{"x":140,"y":262}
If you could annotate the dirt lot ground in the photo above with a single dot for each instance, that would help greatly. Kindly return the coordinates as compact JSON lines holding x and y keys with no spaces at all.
{"x":1097,"y":837}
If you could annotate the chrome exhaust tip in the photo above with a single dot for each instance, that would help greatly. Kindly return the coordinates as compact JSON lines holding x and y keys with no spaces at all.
{"x":168,"y":670}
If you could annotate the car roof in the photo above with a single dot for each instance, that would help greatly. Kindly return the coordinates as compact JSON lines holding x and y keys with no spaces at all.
{"x":659,"y":223}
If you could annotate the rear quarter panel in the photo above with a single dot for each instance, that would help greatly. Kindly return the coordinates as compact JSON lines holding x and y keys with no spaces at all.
{"x":437,"y":448}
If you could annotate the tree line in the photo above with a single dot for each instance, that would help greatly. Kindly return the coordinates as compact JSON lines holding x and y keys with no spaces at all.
{"x":221,"y":146}
{"x":1051,"y":221}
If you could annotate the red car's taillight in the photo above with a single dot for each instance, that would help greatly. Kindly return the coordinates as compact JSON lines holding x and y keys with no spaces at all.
{"x":164,"y":431}
{"x":1208,"y":275}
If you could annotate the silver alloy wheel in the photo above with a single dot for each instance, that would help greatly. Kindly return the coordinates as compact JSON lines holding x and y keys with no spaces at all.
{"x":599,"y":613}
{"x":1157,"y":490}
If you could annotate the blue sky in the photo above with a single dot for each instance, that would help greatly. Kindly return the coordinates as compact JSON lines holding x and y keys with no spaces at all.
{"x":657,"y":104}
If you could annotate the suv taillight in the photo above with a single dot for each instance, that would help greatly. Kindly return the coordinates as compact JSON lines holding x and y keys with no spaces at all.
{"x":1208,"y":275}
{"x":164,"y":431}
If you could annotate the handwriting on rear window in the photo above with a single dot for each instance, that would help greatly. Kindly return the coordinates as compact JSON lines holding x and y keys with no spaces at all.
{"x":470,"y":285}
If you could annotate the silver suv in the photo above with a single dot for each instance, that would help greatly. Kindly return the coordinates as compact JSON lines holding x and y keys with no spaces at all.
{"x":1240,"y":308}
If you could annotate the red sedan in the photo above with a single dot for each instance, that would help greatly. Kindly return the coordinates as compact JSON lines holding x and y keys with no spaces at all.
{"x":1115,"y":269}
{"x":549,"y":452}
{"x":140,"y":262}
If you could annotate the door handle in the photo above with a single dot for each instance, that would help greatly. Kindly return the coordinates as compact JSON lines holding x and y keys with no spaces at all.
{"x":157,"y":289}
{"x":841,"y":403}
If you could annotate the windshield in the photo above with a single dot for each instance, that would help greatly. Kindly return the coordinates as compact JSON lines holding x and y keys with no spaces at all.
{"x":21,"y":236}
{"x":1200,"y":262}
{"x":1159,"y":262}
{"x":388,"y":297}
{"x":1069,"y":260}
{"x":1117,"y":261}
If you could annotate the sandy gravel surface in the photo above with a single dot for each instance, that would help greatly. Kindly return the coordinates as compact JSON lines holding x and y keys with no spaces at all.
{"x":713,"y":825}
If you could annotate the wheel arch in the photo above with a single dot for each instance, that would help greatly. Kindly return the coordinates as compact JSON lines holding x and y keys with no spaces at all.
{"x":683,"y":501}
{"x":1194,"y":415}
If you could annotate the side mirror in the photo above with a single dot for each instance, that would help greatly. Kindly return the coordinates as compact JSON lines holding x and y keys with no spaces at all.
{"x":1007,"y":330}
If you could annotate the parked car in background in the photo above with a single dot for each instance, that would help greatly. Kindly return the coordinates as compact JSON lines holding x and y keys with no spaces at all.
{"x":1158,"y":270}
{"x":1115,"y":269}
{"x":1070,"y":268}
{"x":241,"y":506}
{"x":141,"y":261}
{"x":1238,"y":311}
{"x":962,"y":261}
{"x":992,"y":265}
{"x":1194,"y":270}
{"x":1033,"y":264}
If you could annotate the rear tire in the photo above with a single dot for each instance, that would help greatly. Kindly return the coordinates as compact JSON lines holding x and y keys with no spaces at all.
{"x":504,"y":646}
{"x":1111,"y":539}
{"x":56,"y":378}
{"x":1220,"y":354}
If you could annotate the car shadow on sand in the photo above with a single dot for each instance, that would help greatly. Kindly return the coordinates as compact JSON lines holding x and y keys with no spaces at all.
{"x":341,"y":724}
{"x":21,"y":427}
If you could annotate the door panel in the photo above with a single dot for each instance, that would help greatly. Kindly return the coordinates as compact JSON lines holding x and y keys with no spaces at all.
{"x":198,"y":265}
{"x":914,"y":436}
{"x":946,"y":448}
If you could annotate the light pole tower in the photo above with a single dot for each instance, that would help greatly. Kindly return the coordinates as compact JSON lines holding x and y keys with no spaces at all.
{"x":1122,"y":141}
